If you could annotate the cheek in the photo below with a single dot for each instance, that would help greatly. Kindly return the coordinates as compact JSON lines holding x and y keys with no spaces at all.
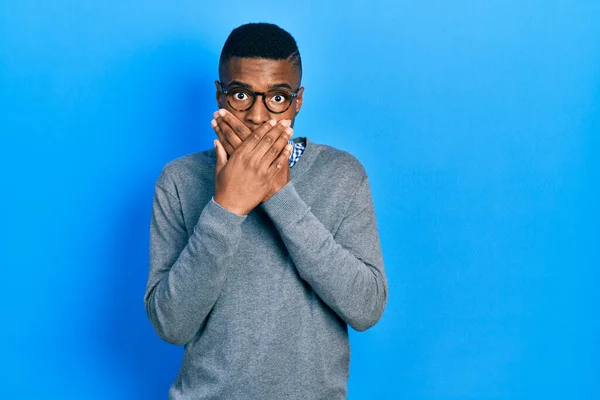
{"x":289,"y":114}
{"x":240,"y":115}
{"x":223,"y":102}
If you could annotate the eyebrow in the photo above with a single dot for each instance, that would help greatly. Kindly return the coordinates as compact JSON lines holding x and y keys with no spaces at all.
{"x":238,"y":83}
{"x":280,"y":85}
{"x":274,"y":86}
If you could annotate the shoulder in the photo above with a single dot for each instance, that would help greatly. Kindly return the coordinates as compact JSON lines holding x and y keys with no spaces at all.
{"x":334,"y":161}
{"x":187,"y":170}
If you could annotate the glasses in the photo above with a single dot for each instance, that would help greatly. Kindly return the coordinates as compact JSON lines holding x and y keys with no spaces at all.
{"x":277,"y":101}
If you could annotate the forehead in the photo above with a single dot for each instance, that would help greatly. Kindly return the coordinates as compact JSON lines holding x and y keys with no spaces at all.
{"x":261,"y":73}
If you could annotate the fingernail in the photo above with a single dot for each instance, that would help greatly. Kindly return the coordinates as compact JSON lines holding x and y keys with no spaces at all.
{"x":286,"y":122}
{"x":216,"y":115}
{"x":222,"y":112}
{"x":273,"y":122}
{"x":289,"y":131}
{"x":213,"y":123}
{"x":288,"y":147}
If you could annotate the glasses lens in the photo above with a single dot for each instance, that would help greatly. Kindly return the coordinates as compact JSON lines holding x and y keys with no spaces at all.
{"x":278,"y":100}
{"x":240,"y":99}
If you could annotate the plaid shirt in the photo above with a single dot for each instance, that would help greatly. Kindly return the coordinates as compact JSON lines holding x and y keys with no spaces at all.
{"x":296,"y":152}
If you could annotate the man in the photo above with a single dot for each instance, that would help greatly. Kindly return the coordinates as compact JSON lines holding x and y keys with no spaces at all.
{"x":265,"y":248}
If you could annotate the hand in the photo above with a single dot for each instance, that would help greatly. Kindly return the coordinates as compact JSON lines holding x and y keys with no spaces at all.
{"x":247,"y":177}
{"x":231,"y":133}
{"x":230,"y":130}
{"x":280,"y":180}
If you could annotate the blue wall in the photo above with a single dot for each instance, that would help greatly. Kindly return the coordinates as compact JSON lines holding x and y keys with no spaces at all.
{"x":477,"y":122}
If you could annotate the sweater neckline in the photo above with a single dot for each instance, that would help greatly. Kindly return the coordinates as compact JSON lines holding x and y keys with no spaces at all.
{"x":306,"y":160}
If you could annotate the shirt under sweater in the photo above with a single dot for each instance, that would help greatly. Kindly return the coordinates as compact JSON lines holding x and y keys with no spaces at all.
{"x":261,"y":302}
{"x":297,"y":150}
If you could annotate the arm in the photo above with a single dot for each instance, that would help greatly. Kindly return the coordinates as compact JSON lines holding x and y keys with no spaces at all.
{"x":345,"y":270}
{"x":186,"y":276}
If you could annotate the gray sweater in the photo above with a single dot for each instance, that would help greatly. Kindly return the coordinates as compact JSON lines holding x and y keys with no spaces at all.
{"x":262,"y":302}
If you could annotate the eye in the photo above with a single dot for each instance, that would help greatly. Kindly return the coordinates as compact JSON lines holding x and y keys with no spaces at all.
{"x":279,"y":98}
{"x":239,"y":95}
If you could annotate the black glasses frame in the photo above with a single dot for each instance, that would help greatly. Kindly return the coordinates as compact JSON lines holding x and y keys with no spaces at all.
{"x":293,"y":95}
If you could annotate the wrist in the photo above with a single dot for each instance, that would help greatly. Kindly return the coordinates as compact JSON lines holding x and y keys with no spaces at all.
{"x":229,"y":207}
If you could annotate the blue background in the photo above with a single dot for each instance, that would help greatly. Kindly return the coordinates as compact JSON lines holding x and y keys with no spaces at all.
{"x":477,"y":122}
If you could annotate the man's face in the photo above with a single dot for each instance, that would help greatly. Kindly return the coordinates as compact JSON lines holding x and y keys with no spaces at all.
{"x":260,"y":75}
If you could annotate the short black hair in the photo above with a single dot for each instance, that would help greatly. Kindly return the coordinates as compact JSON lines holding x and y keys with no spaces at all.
{"x":260,"y":40}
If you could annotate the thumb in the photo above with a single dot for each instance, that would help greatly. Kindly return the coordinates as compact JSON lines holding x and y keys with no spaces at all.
{"x":221,"y":156}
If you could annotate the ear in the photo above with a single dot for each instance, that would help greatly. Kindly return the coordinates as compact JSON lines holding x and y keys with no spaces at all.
{"x":219,"y":94}
{"x":299,"y":100}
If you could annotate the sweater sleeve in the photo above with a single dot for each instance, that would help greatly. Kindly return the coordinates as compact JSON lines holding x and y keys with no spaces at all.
{"x":186,"y":276}
{"x":345,"y":270}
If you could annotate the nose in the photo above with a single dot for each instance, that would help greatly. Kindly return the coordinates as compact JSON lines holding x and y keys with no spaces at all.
{"x":258,"y":114}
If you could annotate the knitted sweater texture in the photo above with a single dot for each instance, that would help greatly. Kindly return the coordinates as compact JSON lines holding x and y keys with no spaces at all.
{"x":261,"y":302}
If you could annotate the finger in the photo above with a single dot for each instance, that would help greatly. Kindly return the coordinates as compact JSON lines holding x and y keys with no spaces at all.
{"x":232,"y":138}
{"x":222,"y":138}
{"x":238,"y":129}
{"x":269,"y":139}
{"x":221,"y":156}
{"x":272,"y":153}
{"x":255,"y":137}
{"x":281,"y":161}
{"x":234,"y":130}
